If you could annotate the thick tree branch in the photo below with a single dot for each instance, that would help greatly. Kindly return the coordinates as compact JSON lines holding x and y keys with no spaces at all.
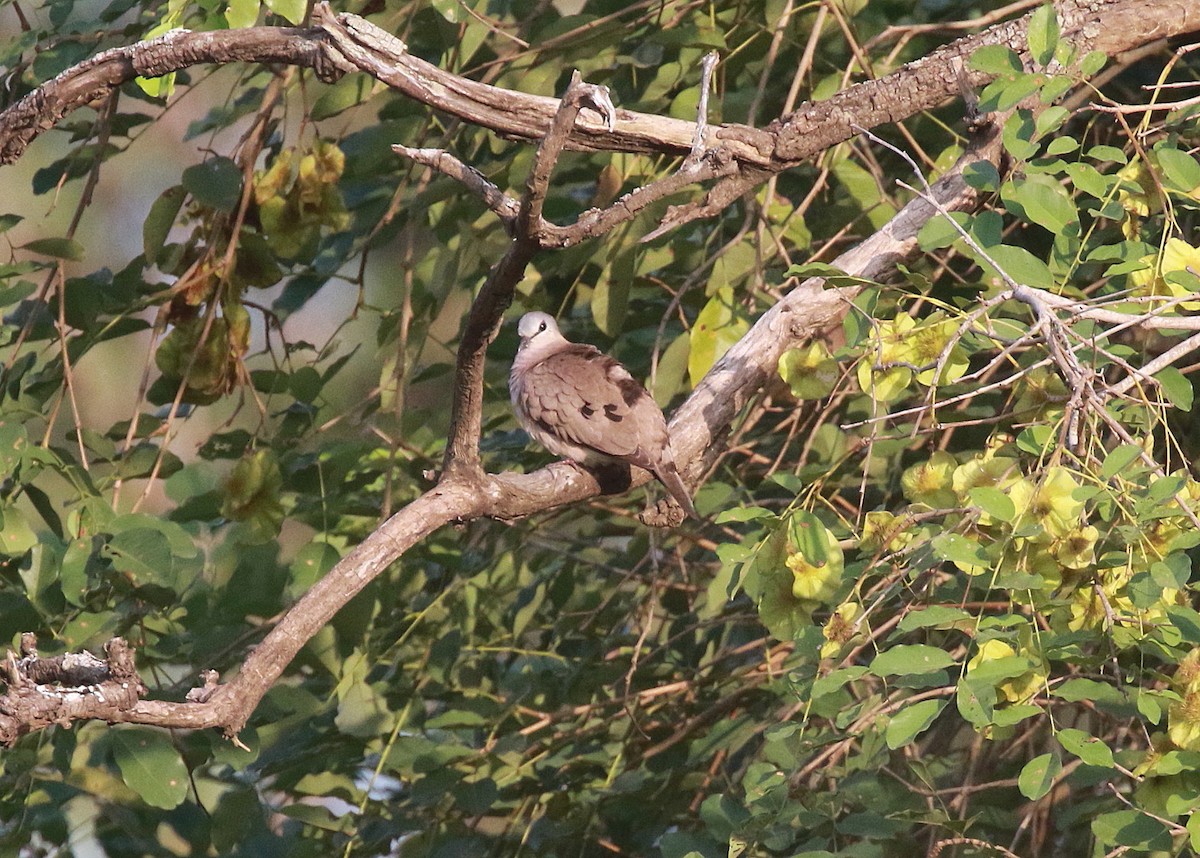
{"x":344,"y":42}
{"x":94,"y":78}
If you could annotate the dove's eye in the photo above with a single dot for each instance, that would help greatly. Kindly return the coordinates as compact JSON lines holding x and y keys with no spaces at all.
{"x":541,"y":327}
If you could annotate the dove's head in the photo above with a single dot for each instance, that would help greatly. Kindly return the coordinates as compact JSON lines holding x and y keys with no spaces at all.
{"x":538,"y":330}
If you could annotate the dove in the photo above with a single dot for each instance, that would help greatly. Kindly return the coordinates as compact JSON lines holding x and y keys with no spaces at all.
{"x":580,"y":403}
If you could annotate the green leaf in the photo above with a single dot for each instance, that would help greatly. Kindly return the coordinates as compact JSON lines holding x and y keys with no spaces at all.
{"x":743,"y":513}
{"x":806,"y":270}
{"x":1017,"y":135}
{"x":1006,"y":93}
{"x":180,"y":541}
{"x":241,"y":13}
{"x":959,"y":549}
{"x":1088,"y":179}
{"x":1041,"y":200}
{"x":1037,"y":439}
{"x":836,"y":679}
{"x":310,"y":564}
{"x":939,"y":232}
{"x":810,"y":537}
{"x":1021,"y":265}
{"x":982,"y":175}
{"x":60,"y":248}
{"x":16,"y":536}
{"x":1091,"y":750}
{"x":1120,"y":459}
{"x":238,"y":814}
{"x":159,"y":221}
{"x":610,"y":299}
{"x":8,"y":221}
{"x":911,"y":660}
{"x":976,"y":701}
{"x":157,"y":87}
{"x":1062,"y":145}
{"x":935,"y":616}
{"x":1015,"y":714}
{"x":1193,"y":830}
{"x":475,"y":797}
{"x":316,"y":816}
{"x":362,"y":711}
{"x":1051,"y":119}
{"x":1149,"y":707}
{"x":911,"y":721}
{"x":1179,"y":168}
{"x":142,"y":554}
{"x":718,"y":327}
{"x":672,"y":368}
{"x":216,"y":183}
{"x":150,"y":766}
{"x":1043,"y":34}
{"x":994,"y":502}
{"x":346,"y":93}
{"x":291,"y":10}
{"x":1176,"y":387}
{"x":1092,"y":63}
{"x":1037,"y":776}
{"x":995,"y":59}
{"x":1133,"y":829}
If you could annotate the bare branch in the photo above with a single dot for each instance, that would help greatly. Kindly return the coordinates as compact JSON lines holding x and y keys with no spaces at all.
{"x":96,"y":77}
{"x":346,"y":42}
{"x":505,"y":207}
{"x":698,"y":141}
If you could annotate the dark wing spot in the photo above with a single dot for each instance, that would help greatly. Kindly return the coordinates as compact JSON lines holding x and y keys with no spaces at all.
{"x":611,"y":412}
{"x":631,"y":390}
{"x":587,"y":411}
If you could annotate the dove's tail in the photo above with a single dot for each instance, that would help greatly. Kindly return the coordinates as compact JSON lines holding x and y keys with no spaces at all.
{"x":668,"y":475}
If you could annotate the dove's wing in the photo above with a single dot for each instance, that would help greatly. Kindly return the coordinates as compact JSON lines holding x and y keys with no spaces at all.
{"x":580,"y":403}
{"x":585,"y":400}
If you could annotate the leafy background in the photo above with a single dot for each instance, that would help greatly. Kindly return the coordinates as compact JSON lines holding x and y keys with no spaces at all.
{"x":230,"y":317}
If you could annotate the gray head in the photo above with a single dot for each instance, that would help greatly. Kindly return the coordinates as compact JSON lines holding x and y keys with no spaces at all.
{"x":539,"y":327}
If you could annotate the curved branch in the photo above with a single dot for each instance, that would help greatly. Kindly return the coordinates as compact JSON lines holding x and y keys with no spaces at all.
{"x":94,"y":78}
{"x":345,"y":42}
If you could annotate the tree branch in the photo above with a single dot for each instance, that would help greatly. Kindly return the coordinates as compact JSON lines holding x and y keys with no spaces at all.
{"x":345,"y":42}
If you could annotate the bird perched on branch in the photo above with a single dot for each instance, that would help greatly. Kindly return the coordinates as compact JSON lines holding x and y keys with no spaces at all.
{"x":580,"y":403}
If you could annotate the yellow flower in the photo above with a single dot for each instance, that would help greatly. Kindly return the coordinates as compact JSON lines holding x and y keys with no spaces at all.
{"x":1015,"y":689}
{"x":1137,"y":202}
{"x":881,"y":529}
{"x":997,"y":472}
{"x":1040,"y":394}
{"x":1176,"y":258}
{"x":814,"y":583}
{"x":926,"y":346}
{"x":1183,"y":722}
{"x":1050,"y":504}
{"x":810,"y":373}
{"x":840,"y":628}
{"x":1077,"y":549}
{"x":890,"y":343}
{"x":1187,"y":675}
{"x":931,"y":483}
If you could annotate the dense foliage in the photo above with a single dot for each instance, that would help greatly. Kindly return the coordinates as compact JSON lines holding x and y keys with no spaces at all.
{"x":946,"y":586}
